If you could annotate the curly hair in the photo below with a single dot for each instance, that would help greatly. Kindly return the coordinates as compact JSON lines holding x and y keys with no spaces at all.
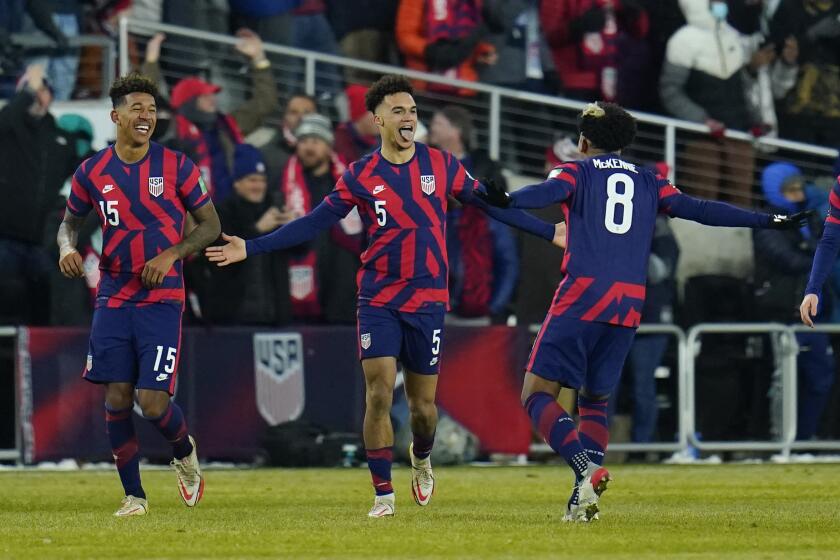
{"x":133,"y":83}
{"x":608,"y":126}
{"x":386,"y":85}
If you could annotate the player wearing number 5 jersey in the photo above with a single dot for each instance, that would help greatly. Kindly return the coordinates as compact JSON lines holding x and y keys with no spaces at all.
{"x":611,"y":207}
{"x":402,"y":194}
{"x":141,"y":193}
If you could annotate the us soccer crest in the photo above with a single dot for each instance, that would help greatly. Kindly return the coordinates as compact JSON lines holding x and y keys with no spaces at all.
{"x":279,"y":377}
{"x":156,"y":186}
{"x":427,"y":183}
{"x":301,"y":281}
{"x":365,"y":340}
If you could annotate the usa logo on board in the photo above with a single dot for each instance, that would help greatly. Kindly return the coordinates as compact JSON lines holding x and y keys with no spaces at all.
{"x":427,"y":183}
{"x":156,"y":186}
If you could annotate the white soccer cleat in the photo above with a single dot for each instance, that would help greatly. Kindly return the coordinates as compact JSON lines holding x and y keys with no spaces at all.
{"x":383,"y":506}
{"x":594,"y":484}
{"x":422,"y":478}
{"x":132,"y":505}
{"x":190,"y":481}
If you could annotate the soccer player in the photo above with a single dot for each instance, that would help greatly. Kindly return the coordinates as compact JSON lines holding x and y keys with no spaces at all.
{"x":610,"y":206}
{"x":401,"y":192}
{"x":824,"y":258}
{"x":141,"y":192}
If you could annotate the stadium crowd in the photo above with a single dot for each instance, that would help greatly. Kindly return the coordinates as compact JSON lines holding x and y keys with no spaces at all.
{"x":768,"y":67}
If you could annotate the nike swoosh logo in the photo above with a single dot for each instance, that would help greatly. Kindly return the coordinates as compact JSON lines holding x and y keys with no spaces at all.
{"x":107,"y":189}
{"x":379,"y":189}
{"x":420,"y":495}
{"x":187,"y":496}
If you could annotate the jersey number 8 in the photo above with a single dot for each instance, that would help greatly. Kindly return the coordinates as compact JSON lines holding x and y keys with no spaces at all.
{"x":623,"y":199}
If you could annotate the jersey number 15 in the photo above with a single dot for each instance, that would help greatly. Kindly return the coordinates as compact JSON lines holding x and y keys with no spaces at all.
{"x":623,"y":199}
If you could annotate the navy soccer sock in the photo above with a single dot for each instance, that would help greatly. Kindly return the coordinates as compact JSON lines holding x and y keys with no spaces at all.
{"x":119,"y":426}
{"x":594,"y":431}
{"x":173,"y":427}
{"x":558,"y":430}
{"x":379,"y":462}
{"x":422,"y":446}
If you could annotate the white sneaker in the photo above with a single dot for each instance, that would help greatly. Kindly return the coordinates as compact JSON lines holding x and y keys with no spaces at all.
{"x":190,"y":481}
{"x":132,"y":505}
{"x":383,"y":506}
{"x":594,"y":484}
{"x":422,"y":479}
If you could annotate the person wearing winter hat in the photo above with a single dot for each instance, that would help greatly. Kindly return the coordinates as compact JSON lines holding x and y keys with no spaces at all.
{"x":358,"y":136}
{"x":206,"y":134}
{"x":250,"y":211}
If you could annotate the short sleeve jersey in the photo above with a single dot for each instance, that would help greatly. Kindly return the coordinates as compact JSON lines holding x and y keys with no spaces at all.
{"x":403,"y":208}
{"x":142,"y":207}
{"x":610,"y":207}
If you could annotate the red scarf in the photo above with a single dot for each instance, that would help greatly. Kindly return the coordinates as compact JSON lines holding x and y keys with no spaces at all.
{"x":599,"y":50}
{"x":476,"y":243}
{"x":452,"y":19}
{"x":188,"y":132}
{"x":303,"y":271}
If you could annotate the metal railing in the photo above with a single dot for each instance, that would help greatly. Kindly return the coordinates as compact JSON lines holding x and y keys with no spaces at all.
{"x":516,"y":126}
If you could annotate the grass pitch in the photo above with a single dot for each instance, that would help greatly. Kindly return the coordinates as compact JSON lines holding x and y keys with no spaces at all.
{"x":732,"y":511}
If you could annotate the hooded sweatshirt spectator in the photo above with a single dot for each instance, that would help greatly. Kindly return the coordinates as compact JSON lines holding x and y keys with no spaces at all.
{"x":280,"y":145}
{"x":445,"y":37}
{"x":207,"y":135}
{"x":359,"y":136}
{"x":782,"y":266}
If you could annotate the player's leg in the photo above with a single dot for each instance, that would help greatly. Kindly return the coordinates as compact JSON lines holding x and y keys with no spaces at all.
{"x":111,"y":362}
{"x":157,"y":335}
{"x":422,"y":338}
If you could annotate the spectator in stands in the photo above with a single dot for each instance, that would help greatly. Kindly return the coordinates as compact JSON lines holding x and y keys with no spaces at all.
{"x":203,"y":15}
{"x":703,"y":81}
{"x":648,"y":349}
{"x":35,"y":160}
{"x":323,"y":278}
{"x":782,"y":265}
{"x":203,"y":132}
{"x":312,"y":32}
{"x":273,"y":20}
{"x":281,"y":145}
{"x":62,"y":63}
{"x":446,"y":37}
{"x":483,"y":260}
{"x":358,"y":136}
{"x":525,"y":61}
{"x":258,"y":292}
{"x":598,"y":47}
{"x":772,"y":69}
{"x":811,"y":112}
{"x":365,"y":31}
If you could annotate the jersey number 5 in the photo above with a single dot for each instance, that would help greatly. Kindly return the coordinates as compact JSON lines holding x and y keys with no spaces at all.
{"x":623,"y":199}
{"x":381,"y":215}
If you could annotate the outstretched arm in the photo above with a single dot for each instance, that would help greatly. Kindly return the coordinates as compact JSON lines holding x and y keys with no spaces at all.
{"x":304,"y":229}
{"x":516,"y":218}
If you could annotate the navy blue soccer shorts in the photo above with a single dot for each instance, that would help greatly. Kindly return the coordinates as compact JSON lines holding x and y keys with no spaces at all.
{"x":581,"y":354}
{"x":137,"y":345}
{"x":412,"y":337}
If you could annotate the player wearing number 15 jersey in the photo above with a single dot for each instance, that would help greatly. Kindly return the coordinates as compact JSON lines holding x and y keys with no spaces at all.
{"x":611,"y":207}
{"x":141,"y":193}
{"x":402,"y":194}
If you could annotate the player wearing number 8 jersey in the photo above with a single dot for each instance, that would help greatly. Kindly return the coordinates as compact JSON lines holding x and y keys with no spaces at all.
{"x":402,"y":194}
{"x":141,"y":192}
{"x":610,"y":207}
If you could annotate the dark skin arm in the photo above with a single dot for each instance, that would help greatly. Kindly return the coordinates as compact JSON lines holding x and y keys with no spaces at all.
{"x":206,"y":232}
{"x":70,"y":261}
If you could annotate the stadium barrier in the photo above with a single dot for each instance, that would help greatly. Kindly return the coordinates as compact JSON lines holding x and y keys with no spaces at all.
{"x":12,"y":454}
{"x":516,"y":126}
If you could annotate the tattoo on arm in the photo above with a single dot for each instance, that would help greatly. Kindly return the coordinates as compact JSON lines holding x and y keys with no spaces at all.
{"x":68,"y":232}
{"x":205,"y":233}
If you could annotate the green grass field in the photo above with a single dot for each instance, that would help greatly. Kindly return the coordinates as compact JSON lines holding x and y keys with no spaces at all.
{"x":732,"y":511}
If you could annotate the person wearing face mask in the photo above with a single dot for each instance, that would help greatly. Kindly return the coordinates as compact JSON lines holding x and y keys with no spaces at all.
{"x":205,"y":133}
{"x":35,"y":159}
{"x":811,"y":110}
{"x":782,"y":265}
{"x":702,"y":81}
{"x":258,"y":292}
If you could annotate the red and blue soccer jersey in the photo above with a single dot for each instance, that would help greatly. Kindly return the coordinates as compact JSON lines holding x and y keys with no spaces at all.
{"x":403,"y":208}
{"x":829,"y":245}
{"x":142,"y":207}
{"x":610,"y":207}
